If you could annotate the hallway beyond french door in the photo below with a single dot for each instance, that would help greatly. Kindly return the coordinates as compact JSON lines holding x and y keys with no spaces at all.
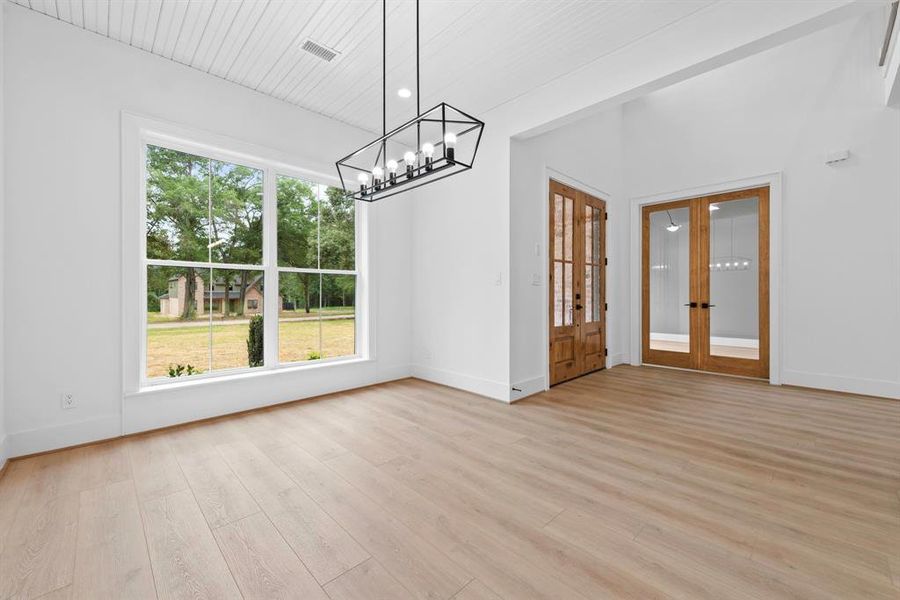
{"x":705,"y":283}
{"x":577,"y":279}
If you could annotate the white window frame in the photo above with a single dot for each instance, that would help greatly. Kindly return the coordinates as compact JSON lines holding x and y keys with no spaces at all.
{"x":139,"y":132}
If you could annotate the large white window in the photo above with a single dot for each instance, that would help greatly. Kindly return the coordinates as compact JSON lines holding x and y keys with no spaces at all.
{"x":248,"y":265}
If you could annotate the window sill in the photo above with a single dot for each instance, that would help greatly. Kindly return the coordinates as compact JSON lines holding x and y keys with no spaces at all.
{"x":150,"y":389}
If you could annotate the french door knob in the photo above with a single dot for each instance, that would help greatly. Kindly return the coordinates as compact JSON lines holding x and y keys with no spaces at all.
{"x":578,"y":306}
{"x":707,"y":305}
{"x":691,"y":304}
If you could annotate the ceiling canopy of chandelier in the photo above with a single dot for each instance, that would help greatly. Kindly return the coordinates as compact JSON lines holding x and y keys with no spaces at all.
{"x":437,"y":143}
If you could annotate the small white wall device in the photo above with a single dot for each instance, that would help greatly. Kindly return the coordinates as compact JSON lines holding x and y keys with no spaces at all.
{"x":835,"y":157}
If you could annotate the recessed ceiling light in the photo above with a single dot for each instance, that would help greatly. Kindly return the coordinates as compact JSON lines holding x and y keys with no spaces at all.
{"x":404,"y":93}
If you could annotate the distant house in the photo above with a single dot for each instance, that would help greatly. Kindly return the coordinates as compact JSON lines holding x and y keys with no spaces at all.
{"x":219,"y":299}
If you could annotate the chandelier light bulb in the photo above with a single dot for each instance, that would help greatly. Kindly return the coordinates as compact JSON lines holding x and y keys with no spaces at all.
{"x":378,"y":176}
{"x":392,"y":169}
{"x":363,"y":179}
{"x":450,"y":146}
{"x":428,"y":151}
{"x":410,"y":159}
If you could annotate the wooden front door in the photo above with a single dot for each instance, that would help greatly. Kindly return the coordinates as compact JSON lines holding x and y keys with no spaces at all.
{"x":577,"y":252}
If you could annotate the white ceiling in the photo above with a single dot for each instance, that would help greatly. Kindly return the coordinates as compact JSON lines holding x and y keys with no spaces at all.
{"x":475,"y":54}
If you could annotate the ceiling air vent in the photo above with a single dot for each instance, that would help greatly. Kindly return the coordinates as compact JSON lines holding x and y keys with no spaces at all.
{"x":318,"y":50}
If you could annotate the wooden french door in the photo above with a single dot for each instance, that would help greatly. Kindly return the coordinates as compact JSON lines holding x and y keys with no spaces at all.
{"x":706,"y":283}
{"x":577,"y":279}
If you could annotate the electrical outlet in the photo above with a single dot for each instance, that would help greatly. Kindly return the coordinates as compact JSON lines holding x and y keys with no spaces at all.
{"x":536,"y":279}
{"x":68,"y":400}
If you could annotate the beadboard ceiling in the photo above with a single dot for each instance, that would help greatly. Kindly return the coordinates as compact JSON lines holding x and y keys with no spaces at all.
{"x":475,"y":54}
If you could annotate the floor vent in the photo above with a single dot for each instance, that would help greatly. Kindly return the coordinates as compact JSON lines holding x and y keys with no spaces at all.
{"x":318,"y":50}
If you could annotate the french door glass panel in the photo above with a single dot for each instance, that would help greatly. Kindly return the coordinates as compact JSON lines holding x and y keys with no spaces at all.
{"x":563,"y":258}
{"x":734,"y":278}
{"x":670,"y":280}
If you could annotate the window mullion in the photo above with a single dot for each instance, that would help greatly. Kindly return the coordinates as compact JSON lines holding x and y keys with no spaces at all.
{"x":271,"y":308}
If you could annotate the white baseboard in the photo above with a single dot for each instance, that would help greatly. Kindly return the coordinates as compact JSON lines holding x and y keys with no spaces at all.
{"x":483,"y":387}
{"x":385,"y":374}
{"x":851,"y":385}
{"x":62,"y":436}
{"x":527,"y":387}
{"x":616,"y":359}
{"x":4,"y":452}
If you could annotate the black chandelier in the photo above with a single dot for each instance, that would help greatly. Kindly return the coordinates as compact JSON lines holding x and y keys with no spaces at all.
{"x":388,"y":165}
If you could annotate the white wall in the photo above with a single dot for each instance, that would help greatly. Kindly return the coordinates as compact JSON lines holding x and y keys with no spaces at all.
{"x":3,"y":449}
{"x":783,"y":110}
{"x":586,"y":154}
{"x":65,"y":91}
{"x":462,"y":253}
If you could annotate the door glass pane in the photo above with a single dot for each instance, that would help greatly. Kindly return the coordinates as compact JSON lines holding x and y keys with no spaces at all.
{"x":557,"y":294}
{"x":563,"y":257}
{"x":557,"y":226}
{"x":670,"y":272}
{"x":734,"y":278}
{"x":588,"y":294}
{"x":589,"y":259}
{"x":592,"y":296}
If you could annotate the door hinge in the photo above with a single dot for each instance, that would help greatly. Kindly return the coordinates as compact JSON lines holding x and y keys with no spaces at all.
{"x":606,"y":352}
{"x":606,"y":216}
{"x":606,"y":262}
{"x":605,"y":306}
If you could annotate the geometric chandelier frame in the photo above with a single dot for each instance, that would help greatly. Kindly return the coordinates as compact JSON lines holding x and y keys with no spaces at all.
{"x":443,"y":122}
{"x":437,"y":143}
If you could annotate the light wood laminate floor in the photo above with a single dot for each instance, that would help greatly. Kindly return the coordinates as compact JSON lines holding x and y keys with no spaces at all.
{"x":631,"y":483}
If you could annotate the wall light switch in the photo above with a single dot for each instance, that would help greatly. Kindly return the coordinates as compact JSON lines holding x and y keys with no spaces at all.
{"x":499,"y":279}
{"x":535,"y":279}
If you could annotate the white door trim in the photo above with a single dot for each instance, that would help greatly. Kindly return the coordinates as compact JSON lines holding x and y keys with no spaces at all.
{"x":773,"y":180}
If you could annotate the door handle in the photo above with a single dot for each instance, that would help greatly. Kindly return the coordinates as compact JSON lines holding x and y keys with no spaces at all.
{"x":707,"y":305}
{"x":578,"y":307}
{"x":691,"y":304}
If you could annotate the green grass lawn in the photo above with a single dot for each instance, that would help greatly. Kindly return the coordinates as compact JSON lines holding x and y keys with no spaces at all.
{"x":190,"y":345}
